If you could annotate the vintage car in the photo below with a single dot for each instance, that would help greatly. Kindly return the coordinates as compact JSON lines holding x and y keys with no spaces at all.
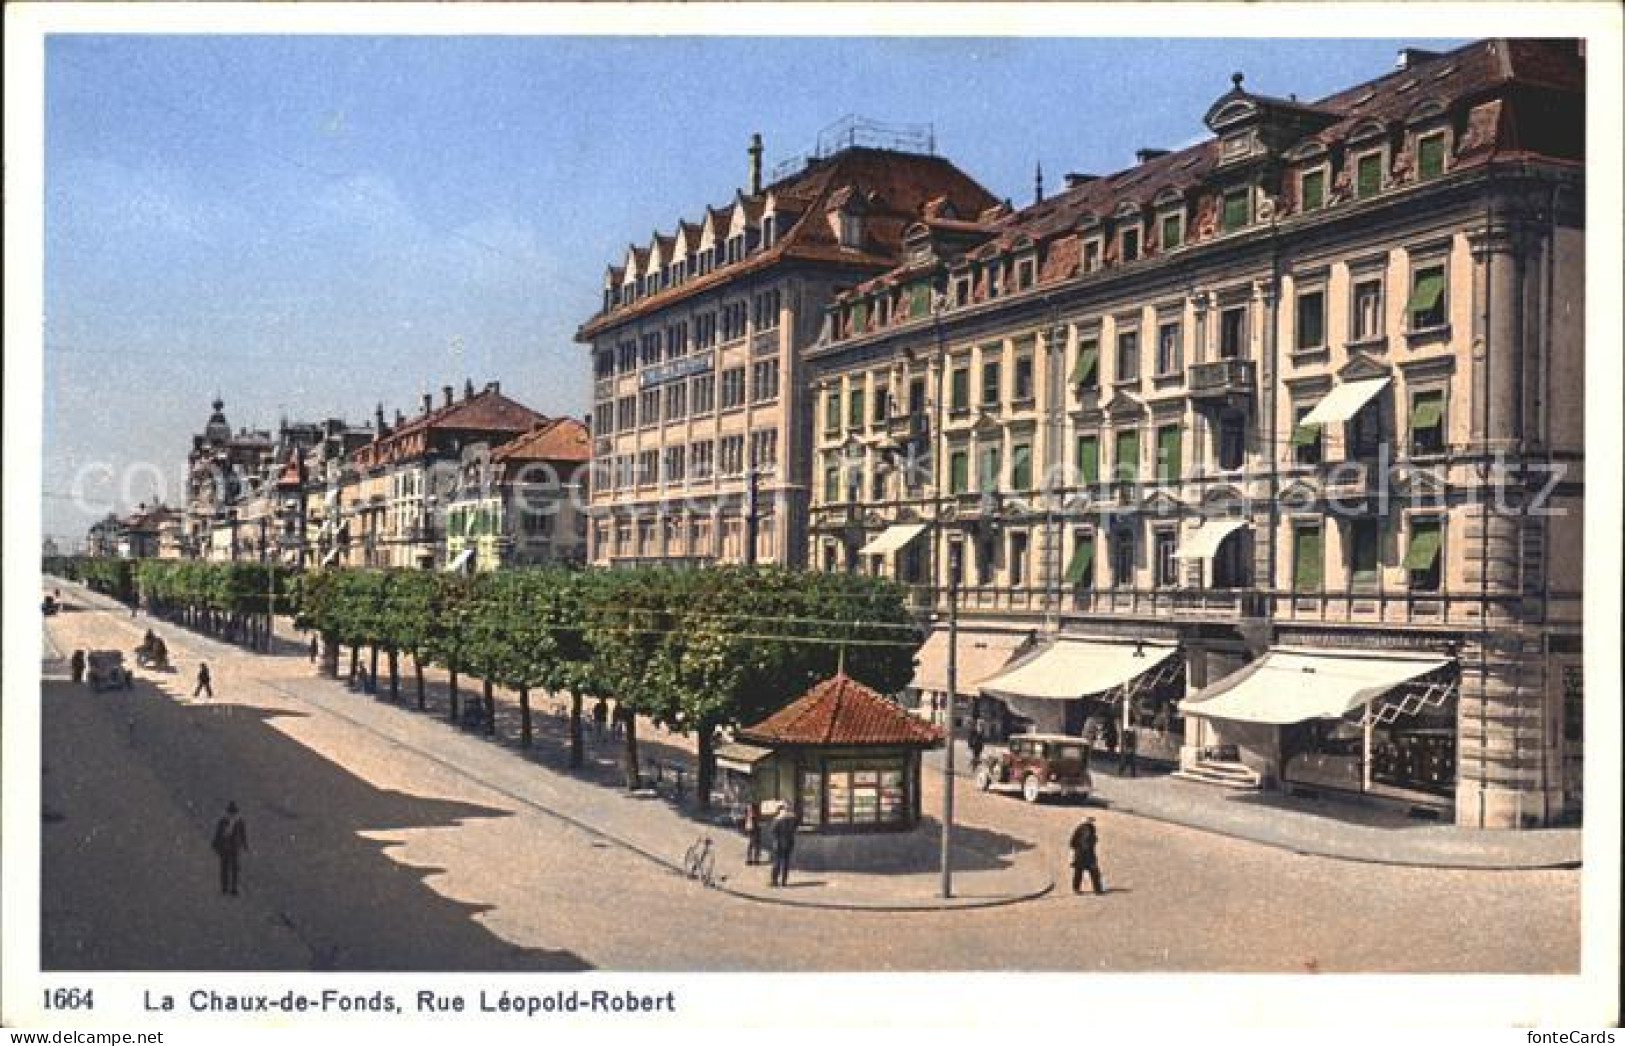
{"x":105,"y":671}
{"x":1037,"y":765}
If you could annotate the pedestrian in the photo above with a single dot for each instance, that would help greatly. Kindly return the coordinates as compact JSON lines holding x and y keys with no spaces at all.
{"x":753,"y":834}
{"x":600,"y":716}
{"x":783,"y":829}
{"x":230,"y":840}
{"x":976,"y":743}
{"x":617,"y":721}
{"x":1109,"y":734}
{"x":1127,"y":750}
{"x":204,"y":686}
{"x":315,"y":648}
{"x":1084,"y":858}
{"x":76,"y":665}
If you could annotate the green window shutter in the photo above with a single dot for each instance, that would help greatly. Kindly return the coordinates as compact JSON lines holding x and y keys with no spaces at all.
{"x":1306,"y":564}
{"x":1368,"y":174}
{"x":832,"y":483}
{"x":988,"y":474}
{"x":1423,"y":550}
{"x":1314,"y":190}
{"x":1088,"y":364}
{"x":832,"y":411}
{"x":1081,"y":566}
{"x":959,"y":471}
{"x":854,"y":408}
{"x":961,"y":388}
{"x":1170,"y":232}
{"x":1089,"y":459}
{"x":919,"y":300}
{"x":1168,"y":452}
{"x":1128,"y":456}
{"x":1427,"y":410}
{"x":1430,"y":156}
{"x":1235,"y":210}
{"x":1305,"y":435}
{"x":1426,"y":290}
{"x":1021,"y":467}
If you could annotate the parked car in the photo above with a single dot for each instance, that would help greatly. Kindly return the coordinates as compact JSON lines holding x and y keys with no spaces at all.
{"x":1037,"y":765}
{"x":106,"y":671}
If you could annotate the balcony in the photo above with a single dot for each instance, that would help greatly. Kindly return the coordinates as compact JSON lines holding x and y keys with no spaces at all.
{"x":1222,"y":383}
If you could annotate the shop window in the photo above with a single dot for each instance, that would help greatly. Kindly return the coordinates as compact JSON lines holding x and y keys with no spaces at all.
{"x":1127,"y":461}
{"x":1306,"y":438}
{"x":1422,"y":554}
{"x":1311,"y":332}
{"x":1307,"y":568}
{"x":810,"y":793}
{"x":1362,"y":554}
{"x":1426,"y":307}
{"x":1086,"y":372}
{"x":1080,"y":569}
{"x":1427,"y":422}
{"x":1128,"y":355}
{"x":1312,"y":189}
{"x":1088,"y":460}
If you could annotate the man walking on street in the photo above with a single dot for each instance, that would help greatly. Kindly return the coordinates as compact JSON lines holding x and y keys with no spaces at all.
{"x":315,"y":648}
{"x":1084,"y":858}
{"x":1127,"y":765}
{"x":783,"y":830}
{"x":230,"y":840}
{"x":976,"y":743}
{"x":203,"y":684}
{"x":76,"y":665}
{"x":600,"y":716}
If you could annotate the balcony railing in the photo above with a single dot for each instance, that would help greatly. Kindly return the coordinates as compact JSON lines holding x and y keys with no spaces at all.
{"x":1222,"y":380}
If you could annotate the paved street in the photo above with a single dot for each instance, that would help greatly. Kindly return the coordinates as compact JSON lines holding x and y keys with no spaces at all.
{"x":382,"y":839}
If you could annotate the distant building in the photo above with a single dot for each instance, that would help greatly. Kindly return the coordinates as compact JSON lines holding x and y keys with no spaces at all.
{"x":522,"y":503}
{"x":218,"y":469}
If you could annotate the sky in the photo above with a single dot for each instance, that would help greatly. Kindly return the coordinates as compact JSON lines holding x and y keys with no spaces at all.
{"x":313,"y":225}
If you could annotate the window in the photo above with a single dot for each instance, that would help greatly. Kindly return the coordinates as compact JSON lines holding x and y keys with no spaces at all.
{"x":1232,"y":442}
{"x":700,"y":459}
{"x":959,"y":398}
{"x":854,"y":407}
{"x":603,"y":419}
{"x":1367,"y":310}
{"x":1368,"y":175}
{"x":676,"y":401}
{"x":1306,"y":445}
{"x":1365,"y":431}
{"x":990,"y":465}
{"x":1021,"y":466}
{"x":766,"y":309}
{"x":1170,"y":354}
{"x":1023,"y":379}
{"x":673,"y":465}
{"x":1018,"y":558}
{"x":1427,"y":422}
{"x":987,"y":552}
{"x":1128,"y":355}
{"x":1166,"y":546}
{"x":916,"y":396}
{"x":1173,"y":230}
{"x":764,"y":448}
{"x":832,"y":410}
{"x":626,"y":357}
{"x":1306,"y":562}
{"x":1080,"y":569}
{"x":1088,"y":460}
{"x":1233,"y":333}
{"x":877,"y":485}
{"x":958,"y":471}
{"x":1362,"y":552}
{"x":1312,"y":189}
{"x":1091,"y":256}
{"x":703,"y":394}
{"x":1127,"y":460}
{"x":764,"y":381}
{"x":1024,"y":274}
{"x":649,"y":407}
{"x":990,"y":383}
{"x":603,"y":364}
{"x":733,"y":387}
{"x":676,"y":341}
{"x":648,"y":464}
{"x":1422,"y":554}
{"x":882,"y":409}
{"x":705,"y":329}
{"x":1311,"y":320}
{"x":1168,"y":437}
{"x":733,"y":321}
{"x":1237,"y":210}
{"x":1123,"y":558}
{"x":1426,"y":307}
{"x":1130,"y":245}
{"x":1430,"y":155}
{"x":832,"y":484}
{"x":1086,"y":372}
{"x":732,"y":455}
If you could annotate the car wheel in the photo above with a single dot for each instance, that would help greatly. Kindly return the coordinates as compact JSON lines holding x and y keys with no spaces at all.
{"x":1029,"y":788}
{"x":984,"y":779}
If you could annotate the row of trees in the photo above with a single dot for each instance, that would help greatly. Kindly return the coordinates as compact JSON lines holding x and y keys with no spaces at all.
{"x":235,"y":601}
{"x":113,"y":577}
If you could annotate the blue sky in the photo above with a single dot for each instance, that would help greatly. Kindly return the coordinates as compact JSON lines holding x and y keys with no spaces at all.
{"x":311,"y":225}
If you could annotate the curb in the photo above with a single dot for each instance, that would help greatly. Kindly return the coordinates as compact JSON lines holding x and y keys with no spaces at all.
{"x":939,"y":904}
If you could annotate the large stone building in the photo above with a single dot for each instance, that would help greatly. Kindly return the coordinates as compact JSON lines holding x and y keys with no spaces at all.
{"x":701,"y":422}
{"x":1271,"y":447}
{"x":523,"y":502}
{"x":218,"y":470}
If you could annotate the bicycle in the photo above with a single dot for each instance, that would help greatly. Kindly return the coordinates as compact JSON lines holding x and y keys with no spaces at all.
{"x":700,"y":861}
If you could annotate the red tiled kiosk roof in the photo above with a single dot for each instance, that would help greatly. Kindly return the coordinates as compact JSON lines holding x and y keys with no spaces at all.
{"x":841,"y":711}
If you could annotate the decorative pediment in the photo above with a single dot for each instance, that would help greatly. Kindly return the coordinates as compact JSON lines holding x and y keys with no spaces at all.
{"x":1305,"y":150}
{"x":1169,"y":197}
{"x":1367,"y":131}
{"x":1124,"y":405}
{"x":1162,"y":503}
{"x":1426,"y":110}
{"x":1299,"y":494}
{"x":1220,"y":495}
{"x":1233,"y":108}
{"x":1413,"y":481}
{"x":986,"y":426}
{"x":1361,"y":367}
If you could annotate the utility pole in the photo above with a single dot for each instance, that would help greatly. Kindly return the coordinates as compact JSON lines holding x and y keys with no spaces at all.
{"x":952,"y":699}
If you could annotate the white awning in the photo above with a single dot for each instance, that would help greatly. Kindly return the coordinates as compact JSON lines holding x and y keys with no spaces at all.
{"x":892,"y":539}
{"x":1072,"y":668}
{"x":1345,"y":401}
{"x":332,"y":554}
{"x":736,"y":755}
{"x":1291,"y":685}
{"x":980,"y":654}
{"x":459,"y":561}
{"x":1208,"y":537}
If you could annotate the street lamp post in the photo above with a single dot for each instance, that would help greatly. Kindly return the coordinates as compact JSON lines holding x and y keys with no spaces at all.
{"x":951,"y":699}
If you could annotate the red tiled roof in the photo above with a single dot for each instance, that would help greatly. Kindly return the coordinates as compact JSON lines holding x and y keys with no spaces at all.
{"x":842,"y":711}
{"x":561,"y":439}
{"x":485,"y":411}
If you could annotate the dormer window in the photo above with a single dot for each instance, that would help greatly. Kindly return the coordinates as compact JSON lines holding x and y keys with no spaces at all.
{"x":993,"y":280}
{"x":1091,"y":254}
{"x":961,"y":291}
{"x":1236,"y":210}
{"x":1430,"y":155}
{"x":1025,"y":270}
{"x":1172,"y":230}
{"x":1129,"y":244}
{"x":1312,"y":189}
{"x":850,"y":229}
{"x":1368,"y":174}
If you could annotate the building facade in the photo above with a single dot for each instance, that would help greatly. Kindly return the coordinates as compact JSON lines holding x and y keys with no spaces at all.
{"x":1294,"y":411}
{"x":523,"y":503}
{"x":701,"y":422}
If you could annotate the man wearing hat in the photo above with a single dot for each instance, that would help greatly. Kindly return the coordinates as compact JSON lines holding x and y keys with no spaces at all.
{"x":230,"y":840}
{"x":783,"y":831}
{"x":1084,"y":838}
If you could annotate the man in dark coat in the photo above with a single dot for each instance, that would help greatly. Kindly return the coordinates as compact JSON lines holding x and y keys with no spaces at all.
{"x":230,"y":840}
{"x":76,"y":665}
{"x":203,"y":682}
{"x":783,"y":830}
{"x":976,"y":742}
{"x":1127,"y":749}
{"x":1084,"y":858}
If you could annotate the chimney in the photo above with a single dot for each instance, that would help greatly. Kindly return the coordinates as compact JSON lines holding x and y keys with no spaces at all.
{"x":1038,"y":181}
{"x":755,"y":152}
{"x":1410,"y":57}
{"x":468,"y":388}
{"x":1147,"y":155}
{"x":445,"y":392}
{"x":493,"y":386}
{"x":378,"y":415}
{"x":428,"y":402}
{"x":1074,"y":179}
{"x":400,"y":419}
